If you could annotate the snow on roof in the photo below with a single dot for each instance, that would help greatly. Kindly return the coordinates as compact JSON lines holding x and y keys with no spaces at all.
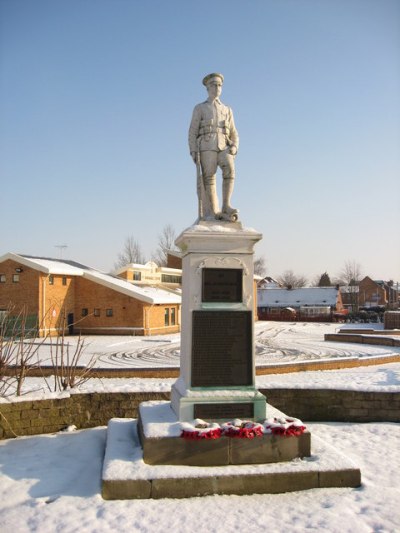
{"x":272,"y":297}
{"x":65,"y":267}
{"x":149,"y":294}
{"x":46,"y":265}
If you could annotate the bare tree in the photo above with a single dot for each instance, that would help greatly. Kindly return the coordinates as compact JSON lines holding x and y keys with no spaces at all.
{"x":289,"y":280}
{"x":166,"y":241}
{"x":350,"y":276}
{"x":131,"y":253}
{"x":350,"y":273}
{"x":260,"y":267}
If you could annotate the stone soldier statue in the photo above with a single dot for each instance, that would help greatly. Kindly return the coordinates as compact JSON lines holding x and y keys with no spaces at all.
{"x":213,"y":143}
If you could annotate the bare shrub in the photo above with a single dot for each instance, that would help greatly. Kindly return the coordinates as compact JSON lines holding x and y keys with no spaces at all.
{"x":18,"y":350}
{"x":68,"y":373}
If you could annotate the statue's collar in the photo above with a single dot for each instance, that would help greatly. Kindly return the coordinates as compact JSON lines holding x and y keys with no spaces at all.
{"x":212,"y":100}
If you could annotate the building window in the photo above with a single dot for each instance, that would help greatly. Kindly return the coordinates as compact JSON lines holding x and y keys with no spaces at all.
{"x":2,"y":278}
{"x":137,"y":276}
{"x":169,"y":278}
{"x":96,"y":311}
{"x":51,"y":280}
{"x":109,"y":312}
{"x":166,"y":316}
{"x":64,"y":280}
{"x":15,"y":278}
{"x":173,"y":319}
{"x":85,"y":311}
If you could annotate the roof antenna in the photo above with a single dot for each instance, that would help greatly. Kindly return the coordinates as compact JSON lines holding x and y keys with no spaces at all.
{"x":61,"y":248}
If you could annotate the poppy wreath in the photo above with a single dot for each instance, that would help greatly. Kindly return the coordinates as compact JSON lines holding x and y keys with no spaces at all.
{"x":242,"y":430}
{"x":199,"y":429}
{"x":286,"y":427}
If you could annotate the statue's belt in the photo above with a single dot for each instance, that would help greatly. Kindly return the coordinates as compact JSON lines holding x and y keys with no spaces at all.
{"x":214,"y":126}
{"x":207,"y":130}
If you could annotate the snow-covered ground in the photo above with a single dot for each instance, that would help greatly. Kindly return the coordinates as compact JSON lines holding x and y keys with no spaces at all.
{"x":275,"y":342}
{"x":52,"y":483}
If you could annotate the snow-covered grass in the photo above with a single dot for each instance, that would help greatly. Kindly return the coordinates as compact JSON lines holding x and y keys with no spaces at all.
{"x":52,"y":483}
{"x":275,"y":342}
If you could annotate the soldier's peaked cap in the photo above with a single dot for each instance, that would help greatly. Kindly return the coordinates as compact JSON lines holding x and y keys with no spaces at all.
{"x":209,"y":77}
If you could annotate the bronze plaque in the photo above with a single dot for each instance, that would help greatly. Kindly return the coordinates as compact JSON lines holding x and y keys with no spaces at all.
{"x":222,"y":349}
{"x":229,"y":411}
{"x":222,"y":285}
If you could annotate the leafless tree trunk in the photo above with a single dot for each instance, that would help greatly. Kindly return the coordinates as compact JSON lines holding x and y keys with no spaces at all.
{"x":166,"y":242}
{"x":131,"y":253}
{"x":260,"y":267}
{"x":291,"y":281}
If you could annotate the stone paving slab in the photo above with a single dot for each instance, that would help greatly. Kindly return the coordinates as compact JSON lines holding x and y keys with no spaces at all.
{"x":126,"y":476}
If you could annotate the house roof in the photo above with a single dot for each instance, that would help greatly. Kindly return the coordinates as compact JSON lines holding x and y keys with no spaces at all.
{"x":273,"y":297}
{"x":152,"y":295}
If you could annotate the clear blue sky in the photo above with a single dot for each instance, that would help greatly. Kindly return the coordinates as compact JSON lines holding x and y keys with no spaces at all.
{"x":96,"y":98}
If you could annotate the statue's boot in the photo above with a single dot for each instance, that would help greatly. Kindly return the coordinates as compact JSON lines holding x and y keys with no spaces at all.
{"x":211,"y":191}
{"x":227,"y":189}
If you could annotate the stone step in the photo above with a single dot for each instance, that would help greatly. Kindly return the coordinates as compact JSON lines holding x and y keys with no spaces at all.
{"x":127,"y":476}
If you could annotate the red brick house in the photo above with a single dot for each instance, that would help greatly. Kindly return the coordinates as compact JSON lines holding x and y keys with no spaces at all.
{"x":65,"y":295}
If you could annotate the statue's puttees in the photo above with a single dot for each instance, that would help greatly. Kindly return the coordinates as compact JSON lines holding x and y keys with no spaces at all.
{"x":213,"y":143}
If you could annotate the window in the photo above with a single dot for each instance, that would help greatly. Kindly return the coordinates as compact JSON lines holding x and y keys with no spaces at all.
{"x":64,"y":280}
{"x":85,"y":311}
{"x":169,"y":278}
{"x":96,"y":311}
{"x":173,"y":320}
{"x":137,"y":276}
{"x":166,"y":316}
{"x":15,"y":278}
{"x":2,"y":278}
{"x":109,"y":312}
{"x":51,"y":280}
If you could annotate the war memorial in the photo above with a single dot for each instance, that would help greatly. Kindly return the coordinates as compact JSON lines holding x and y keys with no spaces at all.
{"x":217,"y":435}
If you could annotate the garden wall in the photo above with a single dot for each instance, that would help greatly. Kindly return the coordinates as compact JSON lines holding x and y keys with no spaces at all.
{"x":95,"y":409}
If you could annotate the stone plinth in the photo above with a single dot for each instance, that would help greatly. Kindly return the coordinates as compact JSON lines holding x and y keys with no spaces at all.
{"x":126,"y":476}
{"x":217,"y":371}
{"x":159,"y":432}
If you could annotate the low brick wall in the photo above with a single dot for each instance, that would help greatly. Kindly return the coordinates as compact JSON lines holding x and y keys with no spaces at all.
{"x":391,"y":320}
{"x":327,"y":405}
{"x":95,"y":409}
{"x":82,"y":410}
{"x":362,"y":339}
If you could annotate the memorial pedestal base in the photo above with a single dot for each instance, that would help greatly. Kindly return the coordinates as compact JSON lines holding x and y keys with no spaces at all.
{"x":217,"y":405}
{"x":160,"y":436}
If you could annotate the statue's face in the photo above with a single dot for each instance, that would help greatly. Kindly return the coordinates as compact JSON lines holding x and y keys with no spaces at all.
{"x":214,"y":87}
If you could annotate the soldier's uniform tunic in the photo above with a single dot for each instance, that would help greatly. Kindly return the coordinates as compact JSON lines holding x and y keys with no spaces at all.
{"x":212,"y":132}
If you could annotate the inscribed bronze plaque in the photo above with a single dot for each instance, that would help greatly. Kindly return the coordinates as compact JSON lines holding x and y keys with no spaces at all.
{"x":222,"y":285}
{"x":215,"y":411}
{"x":222,"y":349}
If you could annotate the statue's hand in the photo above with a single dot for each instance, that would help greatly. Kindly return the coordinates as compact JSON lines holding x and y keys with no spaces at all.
{"x":194,"y":156}
{"x":233,"y":150}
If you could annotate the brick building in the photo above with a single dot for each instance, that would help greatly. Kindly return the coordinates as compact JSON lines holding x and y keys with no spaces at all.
{"x":151,"y":274}
{"x":377,"y":293}
{"x":62,"y":294}
{"x":305,"y":303}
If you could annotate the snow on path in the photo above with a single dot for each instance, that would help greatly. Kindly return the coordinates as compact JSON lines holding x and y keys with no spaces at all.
{"x":52,"y":483}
